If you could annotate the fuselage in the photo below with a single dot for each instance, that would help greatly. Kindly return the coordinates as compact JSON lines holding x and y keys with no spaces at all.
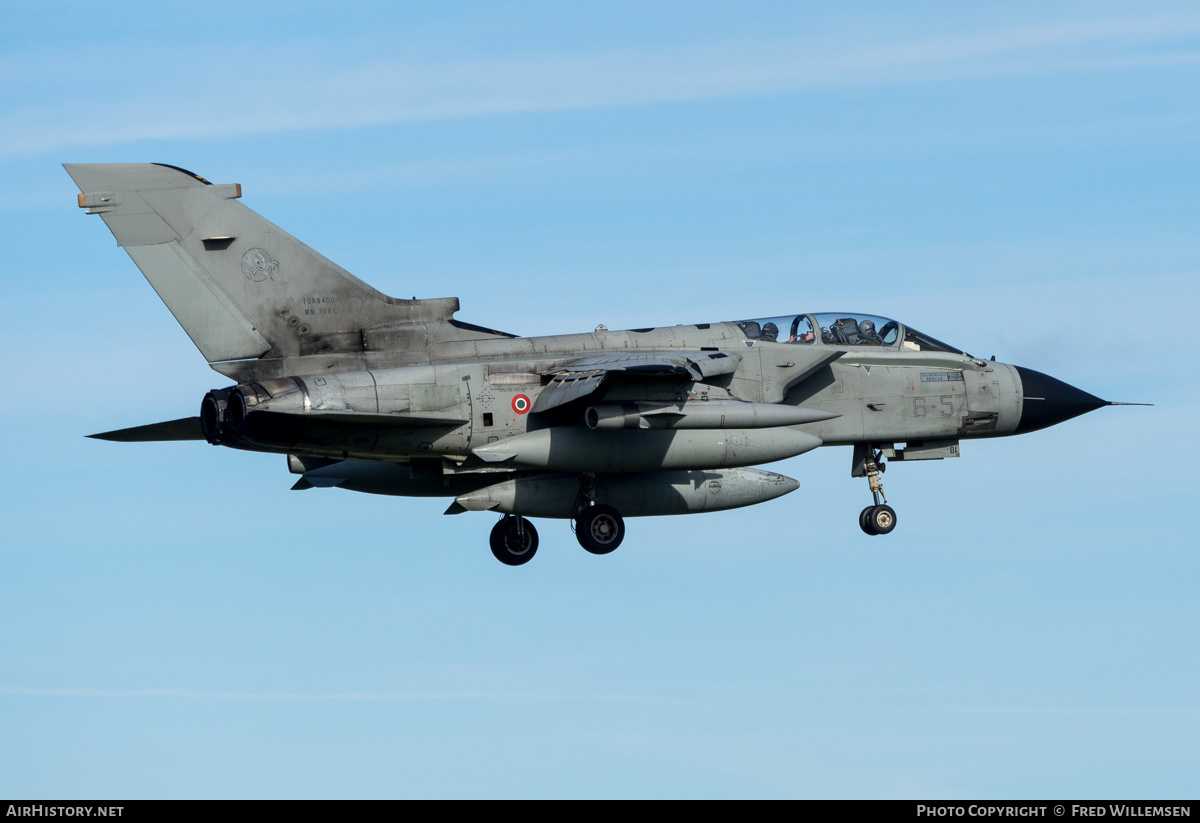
{"x":872,"y":393}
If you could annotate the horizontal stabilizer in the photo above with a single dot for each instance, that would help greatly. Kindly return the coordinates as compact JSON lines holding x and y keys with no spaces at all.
{"x":320,"y":481}
{"x":186,"y":428}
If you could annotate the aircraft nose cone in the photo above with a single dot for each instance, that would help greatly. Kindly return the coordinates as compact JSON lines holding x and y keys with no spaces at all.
{"x":1048,"y":400}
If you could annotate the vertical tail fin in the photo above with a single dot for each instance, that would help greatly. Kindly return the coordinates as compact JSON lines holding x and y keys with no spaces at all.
{"x":240,"y":286}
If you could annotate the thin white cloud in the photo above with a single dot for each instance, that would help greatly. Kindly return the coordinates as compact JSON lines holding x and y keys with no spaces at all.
{"x":75,"y":102}
{"x":192,"y":694}
{"x":893,"y":709}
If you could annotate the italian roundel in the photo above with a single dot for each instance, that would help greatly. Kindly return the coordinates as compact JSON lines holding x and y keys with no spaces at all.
{"x":520,"y":404}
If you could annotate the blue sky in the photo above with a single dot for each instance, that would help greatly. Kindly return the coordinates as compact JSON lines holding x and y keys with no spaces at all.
{"x":1018,"y":181}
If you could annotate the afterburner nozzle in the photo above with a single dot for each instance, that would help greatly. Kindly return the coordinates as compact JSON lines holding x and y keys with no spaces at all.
{"x":213,"y":417}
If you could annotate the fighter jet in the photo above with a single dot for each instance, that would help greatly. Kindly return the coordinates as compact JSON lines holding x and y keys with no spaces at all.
{"x":397,"y":397}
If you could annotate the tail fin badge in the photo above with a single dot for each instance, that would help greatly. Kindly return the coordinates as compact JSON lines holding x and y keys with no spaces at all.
{"x":258,"y":266}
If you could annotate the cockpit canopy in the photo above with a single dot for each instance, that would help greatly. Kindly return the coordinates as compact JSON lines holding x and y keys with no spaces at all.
{"x":840,"y":329}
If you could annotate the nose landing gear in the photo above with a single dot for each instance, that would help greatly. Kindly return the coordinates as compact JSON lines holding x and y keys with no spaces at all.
{"x":879,"y":518}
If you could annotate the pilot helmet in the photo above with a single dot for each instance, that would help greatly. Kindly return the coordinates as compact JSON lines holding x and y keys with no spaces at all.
{"x":770,"y":331}
{"x":866,"y":327}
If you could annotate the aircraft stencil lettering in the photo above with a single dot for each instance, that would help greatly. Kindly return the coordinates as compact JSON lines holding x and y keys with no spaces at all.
{"x":375,"y":394}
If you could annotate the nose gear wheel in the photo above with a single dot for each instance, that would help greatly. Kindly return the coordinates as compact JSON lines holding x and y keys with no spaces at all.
{"x":877,"y":519}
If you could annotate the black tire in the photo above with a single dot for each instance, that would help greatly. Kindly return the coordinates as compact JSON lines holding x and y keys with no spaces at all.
{"x":514,"y":541}
{"x":864,"y":521}
{"x":600,"y":529}
{"x":882,"y":519}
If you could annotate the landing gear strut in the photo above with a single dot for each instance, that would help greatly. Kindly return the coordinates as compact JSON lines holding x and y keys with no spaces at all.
{"x":879,"y":518}
{"x":514,"y":540}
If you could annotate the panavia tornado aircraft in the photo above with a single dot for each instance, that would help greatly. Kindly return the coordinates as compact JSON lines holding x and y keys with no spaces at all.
{"x":370,"y":393}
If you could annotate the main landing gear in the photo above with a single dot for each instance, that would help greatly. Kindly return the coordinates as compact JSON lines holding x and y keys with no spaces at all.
{"x":514,"y":541}
{"x":879,"y":518}
{"x":598,"y":528}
